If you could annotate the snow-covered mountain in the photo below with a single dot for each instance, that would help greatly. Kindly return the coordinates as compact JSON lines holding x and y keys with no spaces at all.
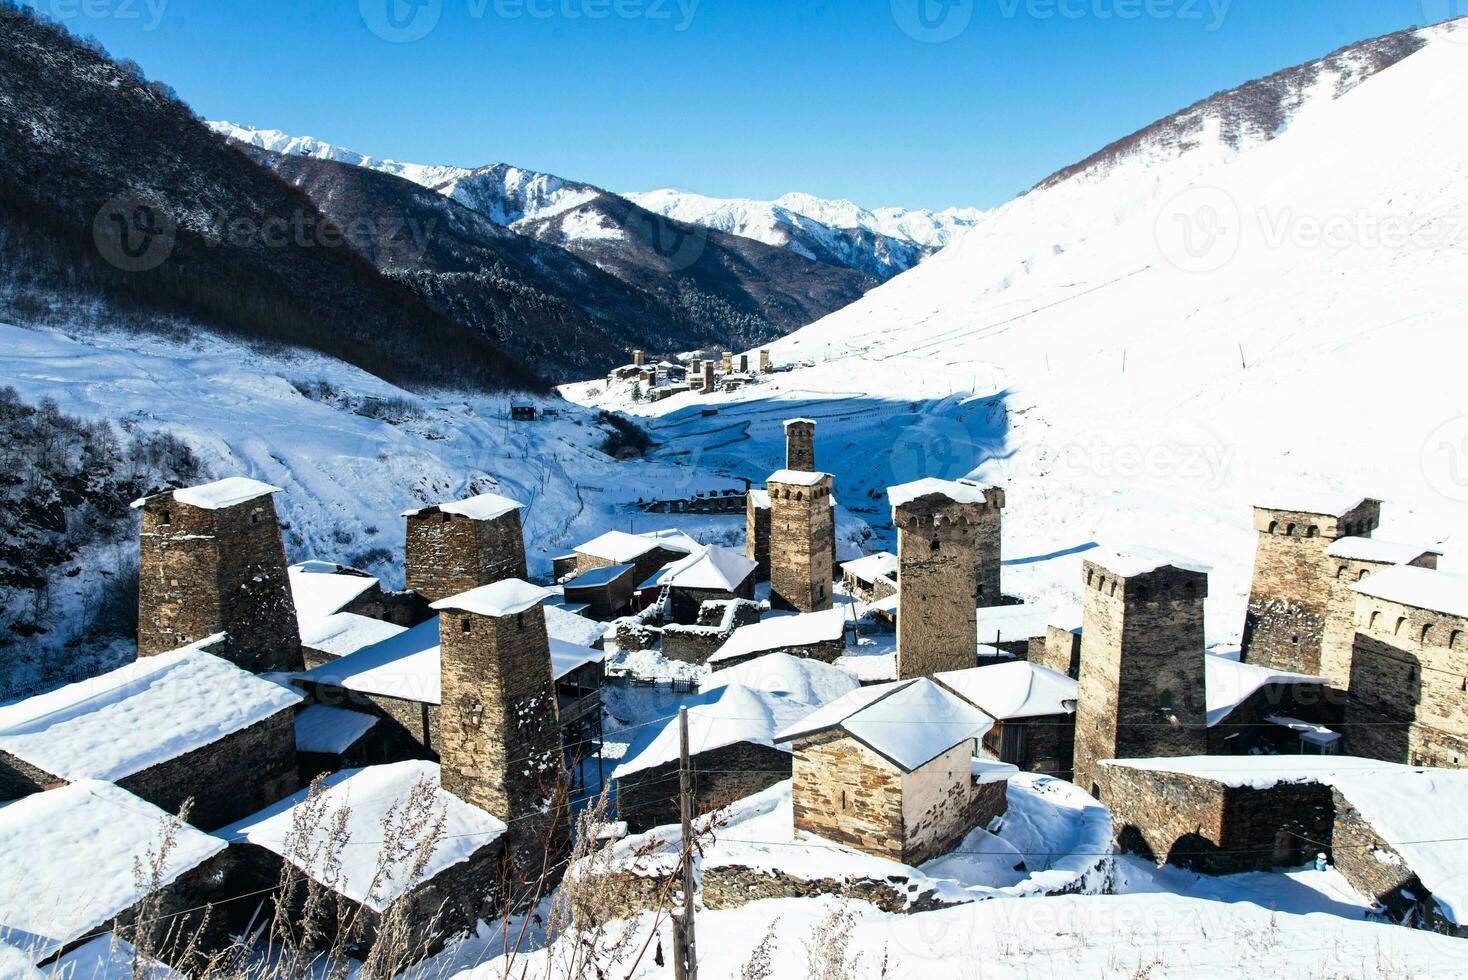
{"x":881,"y":243}
{"x":308,"y":146}
{"x":1262,"y":295}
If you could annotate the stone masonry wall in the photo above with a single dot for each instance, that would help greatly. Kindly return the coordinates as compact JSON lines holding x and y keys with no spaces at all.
{"x":846,"y":793}
{"x":800,"y":447}
{"x":1059,"y":649}
{"x":940,"y":805}
{"x":757,"y":538}
{"x":937,"y":575}
{"x":721,"y":776}
{"x":988,"y":538}
{"x":802,"y":546}
{"x":1340,"y":615}
{"x":1142,"y":689}
{"x":449,"y":554}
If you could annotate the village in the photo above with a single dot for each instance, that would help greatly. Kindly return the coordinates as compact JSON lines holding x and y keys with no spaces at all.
{"x":894,"y":728}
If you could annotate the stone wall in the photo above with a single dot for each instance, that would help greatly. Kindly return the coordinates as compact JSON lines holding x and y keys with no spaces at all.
{"x":988,"y":541}
{"x":1285,"y":623}
{"x":1246,"y":729}
{"x":202,"y":572}
{"x":1059,"y":649}
{"x":1339,"y":634}
{"x":721,"y":776}
{"x":800,"y":446}
{"x":937,"y":575}
{"x":716,"y":622}
{"x":757,"y":537}
{"x":449,"y":554}
{"x":1142,"y":687}
{"x":1044,"y":744}
{"x":941,"y":804}
{"x":802,"y":546}
{"x":843,"y":791}
{"x":687,"y":603}
{"x":405,"y":729}
{"x":827,"y":652}
{"x":499,"y":737}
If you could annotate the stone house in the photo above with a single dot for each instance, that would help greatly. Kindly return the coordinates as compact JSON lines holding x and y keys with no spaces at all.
{"x":339,"y":610}
{"x":1285,"y":622}
{"x":802,"y":540}
{"x":757,"y":531}
{"x":457,"y":546}
{"x":1142,"y":687}
{"x":1393,"y":831}
{"x":461,"y":878}
{"x":695,"y":643}
{"x":816,"y":636}
{"x":211,"y":561}
{"x":711,"y":574}
{"x":733,"y":753}
{"x":1348,"y":561}
{"x":1033,"y":708}
{"x":66,"y":869}
{"x":872,"y":577}
{"x":648,"y":552}
{"x":891,"y":770}
{"x":1408,"y":680}
{"x":1256,"y":709}
{"x":330,"y":739}
{"x":605,"y":592}
{"x":178,"y":725}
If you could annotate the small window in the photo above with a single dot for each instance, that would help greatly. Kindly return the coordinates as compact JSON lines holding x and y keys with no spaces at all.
{"x":1312,"y":532}
{"x":464,"y":626}
{"x":934,"y":545}
{"x":519,"y":620}
{"x":1340,"y":572}
{"x":1113,"y":588}
{"x":1295,"y":639}
{"x":1453,"y":638}
{"x":1290,"y":530}
{"x":1090,"y":575}
{"x":1426,"y":633}
{"x":165,"y":517}
{"x":1397,"y":629}
{"x":1273,"y":526}
{"x":255,"y":517}
{"x":1362,"y":576}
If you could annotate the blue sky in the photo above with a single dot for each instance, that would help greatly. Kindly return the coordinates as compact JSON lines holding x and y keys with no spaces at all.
{"x":961,"y":102}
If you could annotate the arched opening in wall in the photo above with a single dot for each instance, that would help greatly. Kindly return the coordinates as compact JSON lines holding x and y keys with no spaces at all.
{"x":1397,"y":629}
{"x":1290,"y":530}
{"x":519,"y":620}
{"x":1340,"y":572}
{"x":1090,"y":575}
{"x":1426,"y":633}
{"x":1312,"y":532}
{"x":1375,"y":618}
{"x":1113,"y":588}
{"x":934,"y":545}
{"x":443,"y":518}
{"x":1273,"y":526}
{"x":1453,"y":638}
{"x":464,"y":626}
{"x":1362,"y":576}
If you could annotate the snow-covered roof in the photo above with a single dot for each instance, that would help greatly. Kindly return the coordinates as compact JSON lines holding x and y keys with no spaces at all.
{"x":790,"y":422}
{"x":405,"y":666}
{"x":799,"y":678}
{"x":1018,"y":622}
{"x":485,"y":507}
{"x":1419,"y":812}
{"x":909,"y":722}
{"x":149,"y":711}
{"x":17,"y":965}
{"x":367,"y":794}
{"x":346,"y":633}
{"x":620,"y":546}
{"x":872,"y":567}
{"x":1312,"y":502}
{"x":1014,"y":690}
{"x":107,"y":957}
{"x":1130,"y":562}
{"x":1229,"y":683}
{"x":760,"y":498}
{"x":724,"y":716}
{"x":783,"y":633}
{"x":229,"y":492}
{"x":320,"y":728}
{"x":597,"y":577}
{"x":572,"y":628}
{"x":566,"y":657}
{"x":1376,"y":550}
{"x":1420,"y":588}
{"x":1308,"y":730}
{"x":797,"y":478}
{"x":959,"y":491}
{"x":503,"y":598}
{"x":713,"y":567}
{"x":66,"y":861}
{"x":320,"y":588}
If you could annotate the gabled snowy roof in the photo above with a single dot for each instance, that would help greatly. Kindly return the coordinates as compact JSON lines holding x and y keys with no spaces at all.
{"x":597,"y":577}
{"x":485,"y":507}
{"x":66,"y":861}
{"x":1014,"y":690}
{"x":346,"y":633}
{"x":783,"y":633}
{"x":503,"y":598}
{"x":725,"y":716}
{"x":320,"y":588}
{"x":572,"y":628}
{"x":790,"y":422}
{"x":229,"y":492}
{"x":320,"y":728}
{"x":959,"y":491}
{"x":1420,"y":588}
{"x":566,"y":657}
{"x":367,"y":794}
{"x":807,"y":681}
{"x":872,"y":567}
{"x":797,"y":478}
{"x":1376,"y":550}
{"x":1130,"y":562}
{"x":909,"y":722}
{"x":149,"y":711}
{"x":405,"y":666}
{"x":620,"y":546}
{"x":1419,"y":812}
{"x":1229,"y":683}
{"x":714,"y":567}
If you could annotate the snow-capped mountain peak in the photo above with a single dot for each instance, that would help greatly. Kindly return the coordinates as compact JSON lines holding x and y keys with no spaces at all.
{"x":428,"y":175}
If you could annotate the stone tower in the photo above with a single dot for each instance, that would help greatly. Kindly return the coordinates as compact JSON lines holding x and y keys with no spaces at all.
{"x":1142,"y":692}
{"x":727,"y":361}
{"x":210,"y":560}
{"x":802,"y":540}
{"x":1348,"y":561}
{"x":639,"y":358}
{"x":800,"y":445}
{"x":1285,"y":622}
{"x":757,"y":532}
{"x":706,"y":376}
{"x":455,"y":547}
{"x":764,"y":360}
{"x":499,"y":732}
{"x":938,"y":525}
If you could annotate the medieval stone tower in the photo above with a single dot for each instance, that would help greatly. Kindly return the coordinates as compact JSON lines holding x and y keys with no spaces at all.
{"x":455,"y":547}
{"x":210,"y":560}
{"x":1142,"y":692}
{"x":1285,"y":622}
{"x":639,"y":358}
{"x":938,"y":525}
{"x":757,"y":532}
{"x":726,"y":361}
{"x":800,"y":445}
{"x":802,"y":540}
{"x":499,"y":733}
{"x":764,"y":360}
{"x":706,"y":376}
{"x":1348,"y":561}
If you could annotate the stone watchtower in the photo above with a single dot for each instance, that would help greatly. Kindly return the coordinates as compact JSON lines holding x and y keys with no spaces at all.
{"x":639,"y":358}
{"x":764,"y":360}
{"x":210,"y":560}
{"x":1285,"y":622}
{"x":1141,"y":691}
{"x":499,"y":733}
{"x":757,"y":532}
{"x":1348,"y":561}
{"x":802,"y":540}
{"x":706,"y":376}
{"x":455,"y":547}
{"x":939,"y":523}
{"x":726,"y":361}
{"x":800,"y":445}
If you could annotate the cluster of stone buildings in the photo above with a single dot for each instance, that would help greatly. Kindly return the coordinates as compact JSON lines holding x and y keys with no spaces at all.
{"x":704,"y":375}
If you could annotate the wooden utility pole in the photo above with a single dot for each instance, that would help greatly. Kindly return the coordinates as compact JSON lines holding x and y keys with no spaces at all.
{"x":685,"y":955}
